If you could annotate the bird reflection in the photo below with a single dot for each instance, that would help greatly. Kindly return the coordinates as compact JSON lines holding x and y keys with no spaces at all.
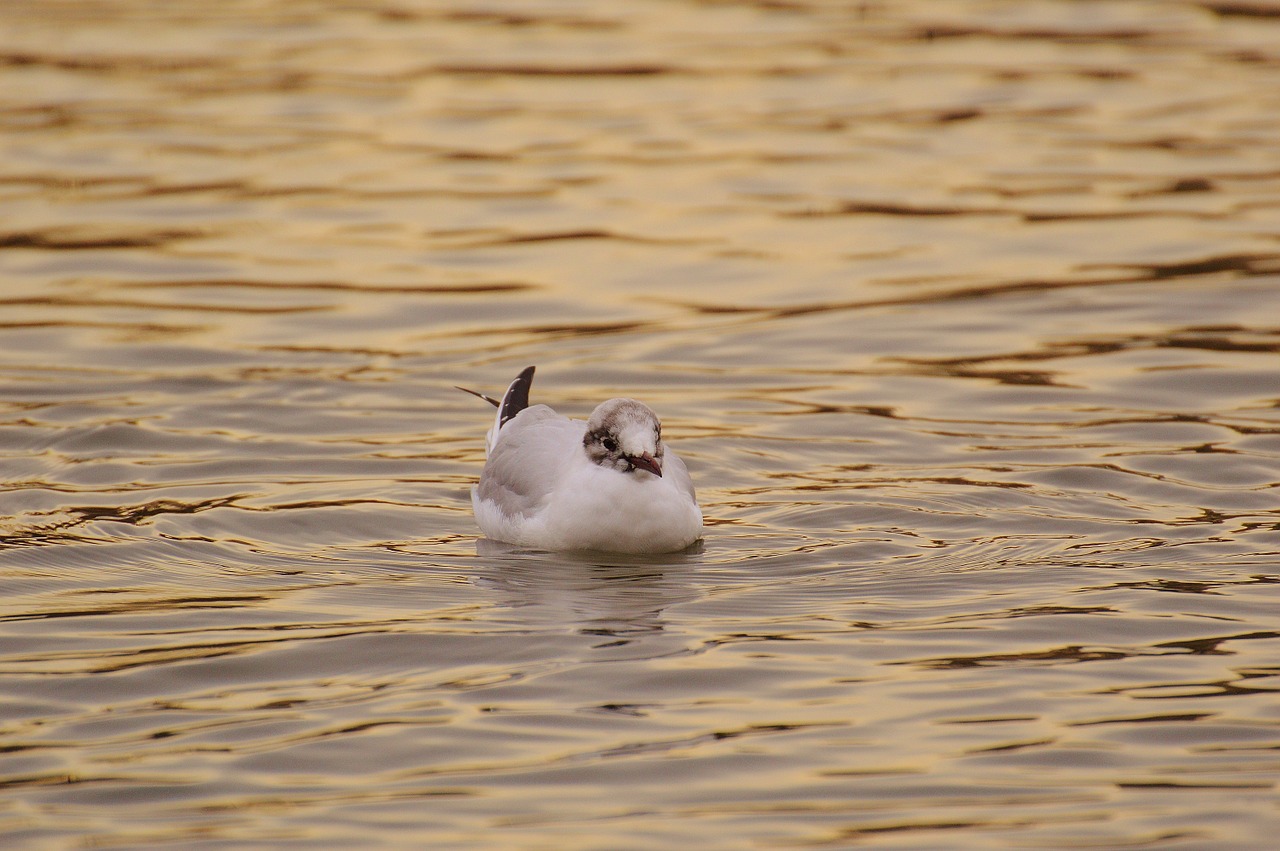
{"x":618,"y":597}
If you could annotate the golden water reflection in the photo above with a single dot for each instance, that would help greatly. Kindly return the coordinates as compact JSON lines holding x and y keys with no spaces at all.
{"x":963,"y":315}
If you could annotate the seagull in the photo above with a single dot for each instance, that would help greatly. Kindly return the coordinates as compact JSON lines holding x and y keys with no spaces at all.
{"x":607,"y":484}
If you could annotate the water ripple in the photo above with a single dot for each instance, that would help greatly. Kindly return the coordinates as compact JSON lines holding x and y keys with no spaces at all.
{"x":962,"y":317}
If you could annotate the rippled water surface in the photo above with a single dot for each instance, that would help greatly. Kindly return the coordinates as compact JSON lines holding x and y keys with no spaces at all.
{"x":965,"y":316}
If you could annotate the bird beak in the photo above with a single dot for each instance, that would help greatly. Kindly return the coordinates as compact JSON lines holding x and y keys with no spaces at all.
{"x":646,"y":462}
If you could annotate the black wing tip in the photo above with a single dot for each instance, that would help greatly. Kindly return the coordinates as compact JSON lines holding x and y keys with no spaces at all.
{"x":516,"y":399}
{"x":489,"y":399}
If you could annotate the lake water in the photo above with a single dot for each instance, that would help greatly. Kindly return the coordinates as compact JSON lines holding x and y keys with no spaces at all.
{"x":964,"y":315}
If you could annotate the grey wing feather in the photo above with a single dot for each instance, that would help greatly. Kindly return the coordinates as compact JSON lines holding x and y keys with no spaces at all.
{"x":523,"y":465}
{"x":679,"y":473}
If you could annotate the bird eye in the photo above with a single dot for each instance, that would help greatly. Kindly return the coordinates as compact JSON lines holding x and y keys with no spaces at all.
{"x":609,"y":444}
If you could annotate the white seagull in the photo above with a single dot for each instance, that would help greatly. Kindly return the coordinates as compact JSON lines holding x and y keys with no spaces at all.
{"x":606,"y":484}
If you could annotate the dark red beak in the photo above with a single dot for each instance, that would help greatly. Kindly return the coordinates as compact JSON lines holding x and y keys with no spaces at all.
{"x":646,"y":462}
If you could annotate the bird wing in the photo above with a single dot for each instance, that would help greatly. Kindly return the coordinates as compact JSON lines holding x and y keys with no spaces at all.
{"x":515,"y":400}
{"x":674,"y":469}
{"x":525,"y":465}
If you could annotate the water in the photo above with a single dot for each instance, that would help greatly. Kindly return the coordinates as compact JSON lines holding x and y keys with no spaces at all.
{"x":965,"y":316}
